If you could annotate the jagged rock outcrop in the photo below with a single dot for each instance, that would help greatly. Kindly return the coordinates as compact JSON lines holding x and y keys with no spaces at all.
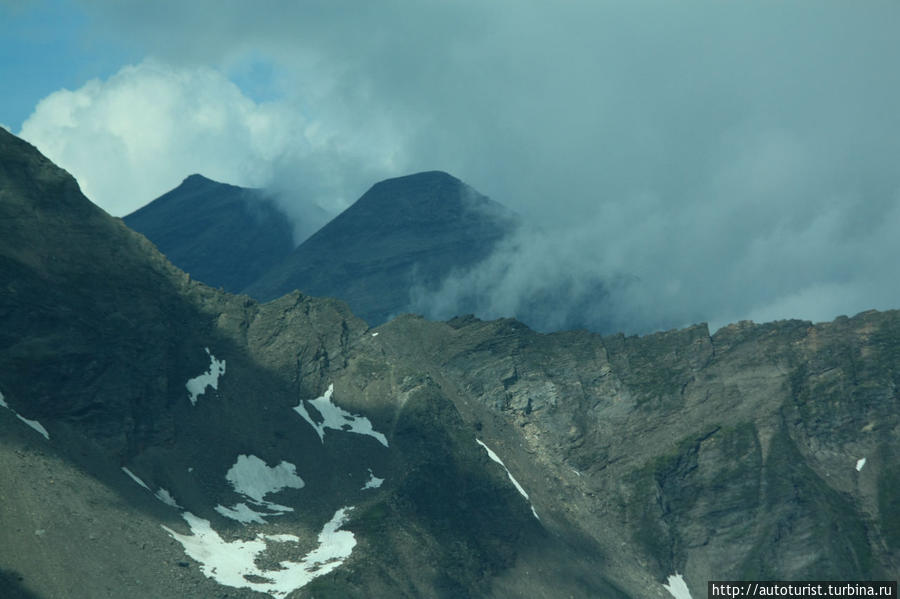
{"x":457,"y":459}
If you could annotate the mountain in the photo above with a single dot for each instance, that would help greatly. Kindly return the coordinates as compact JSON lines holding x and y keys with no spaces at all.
{"x":159,"y":438}
{"x":221,"y":234}
{"x":402,"y":233}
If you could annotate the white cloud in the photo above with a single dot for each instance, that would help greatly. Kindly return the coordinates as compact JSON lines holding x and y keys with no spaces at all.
{"x":136,"y":135}
{"x":712,"y":162}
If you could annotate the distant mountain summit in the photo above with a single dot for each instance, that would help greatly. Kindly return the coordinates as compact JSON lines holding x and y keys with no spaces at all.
{"x":221,"y":234}
{"x":404,"y":232}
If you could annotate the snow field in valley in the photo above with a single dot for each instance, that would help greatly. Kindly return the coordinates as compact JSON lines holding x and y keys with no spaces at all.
{"x":252,"y":478}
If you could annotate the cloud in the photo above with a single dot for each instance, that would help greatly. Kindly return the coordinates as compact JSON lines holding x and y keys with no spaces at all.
{"x":137,"y":134}
{"x":708,"y":161}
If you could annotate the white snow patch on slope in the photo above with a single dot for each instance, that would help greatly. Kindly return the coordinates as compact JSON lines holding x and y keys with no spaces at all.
{"x":860,"y":463}
{"x":242,"y":513}
{"x":230,"y":563}
{"x":32,"y":423}
{"x":197,"y":385}
{"x":162,"y":494}
{"x":166,"y":497}
{"x":35,"y":425}
{"x":677,"y":587}
{"x":373,"y":483}
{"x":335,"y":417}
{"x":135,"y":478}
{"x":512,"y":479}
{"x":252,"y":478}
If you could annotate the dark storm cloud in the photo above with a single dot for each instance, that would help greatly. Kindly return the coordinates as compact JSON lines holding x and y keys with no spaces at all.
{"x":708,"y":160}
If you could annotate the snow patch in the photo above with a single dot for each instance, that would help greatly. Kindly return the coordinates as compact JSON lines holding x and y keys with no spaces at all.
{"x":161,"y":494}
{"x":336,"y":418}
{"x":135,"y":478}
{"x":375,"y":334}
{"x":497,"y":459}
{"x":252,"y":478}
{"x":32,"y":423}
{"x":373,"y":483}
{"x":512,"y":479}
{"x":677,"y":587}
{"x":35,"y":425}
{"x":241,"y":512}
{"x":231,"y":563}
{"x":166,"y":497}
{"x":860,"y":463}
{"x":197,"y":386}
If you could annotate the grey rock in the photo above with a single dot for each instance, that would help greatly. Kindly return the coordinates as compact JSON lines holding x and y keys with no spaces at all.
{"x":725,"y":456}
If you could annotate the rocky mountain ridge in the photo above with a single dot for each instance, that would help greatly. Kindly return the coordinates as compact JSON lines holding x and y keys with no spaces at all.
{"x":759,"y":452}
{"x":403,"y":235}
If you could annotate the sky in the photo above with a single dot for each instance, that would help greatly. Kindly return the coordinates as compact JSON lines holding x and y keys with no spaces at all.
{"x":676,"y":162}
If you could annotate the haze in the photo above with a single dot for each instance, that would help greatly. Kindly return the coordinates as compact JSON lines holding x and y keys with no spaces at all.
{"x":700,"y":161}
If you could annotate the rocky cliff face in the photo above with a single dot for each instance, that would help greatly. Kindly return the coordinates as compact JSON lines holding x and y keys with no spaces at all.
{"x":740,"y":453}
{"x":160,"y":438}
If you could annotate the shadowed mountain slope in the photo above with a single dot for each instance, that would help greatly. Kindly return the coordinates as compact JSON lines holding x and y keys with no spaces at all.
{"x":159,"y":438}
{"x":404,"y":232}
{"x":223,"y":235}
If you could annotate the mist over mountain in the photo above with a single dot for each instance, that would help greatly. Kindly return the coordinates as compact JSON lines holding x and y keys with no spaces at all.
{"x":400,"y":240}
{"x":700,"y":174}
{"x":164,"y":439}
{"x":424,"y":243}
{"x":406,"y":232}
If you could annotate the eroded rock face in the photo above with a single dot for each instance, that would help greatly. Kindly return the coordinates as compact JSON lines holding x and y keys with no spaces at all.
{"x":510,"y":463}
{"x":695,"y":454}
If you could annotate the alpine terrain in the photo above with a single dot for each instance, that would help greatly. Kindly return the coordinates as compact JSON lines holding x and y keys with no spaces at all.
{"x":404,"y":234}
{"x":160,"y":438}
{"x":221,"y":234}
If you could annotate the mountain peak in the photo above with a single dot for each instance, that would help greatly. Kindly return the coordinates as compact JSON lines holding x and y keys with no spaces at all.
{"x":222,"y":234}
{"x":197,"y":181}
{"x":406,"y":231}
{"x":196,"y":178}
{"x":424,"y":176}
